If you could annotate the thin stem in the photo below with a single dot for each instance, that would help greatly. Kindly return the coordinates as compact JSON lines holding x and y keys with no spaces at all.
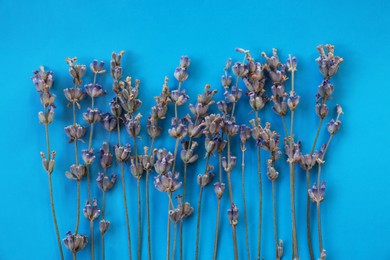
{"x":235,"y":242}
{"x":104,"y":196}
{"x":74,"y":256}
{"x":185,"y":181}
{"x":244,"y":198}
{"x":92,"y":240}
{"x":88,"y":183}
{"x":169,"y":228}
{"x":260,"y":194}
{"x":319,"y":226}
{"x":274,"y":212}
{"x":217,"y":229}
{"x":293,"y":220}
{"x":174,"y":155}
{"x":284,"y":126}
{"x":198,"y":224}
{"x":78,"y":208}
{"x":220,"y":166}
{"x":316,"y":138}
{"x":90,"y":136}
{"x":292,"y":124}
{"x":53,"y":211}
{"x":103,"y":249}
{"x":148,"y":213}
{"x":74,"y":112}
{"x":139,"y":218}
{"x":126,"y":210}
{"x":181,"y":239}
{"x":118,"y":127}
{"x":228,"y":173}
{"x":174,"y":241}
{"x":308,"y":221}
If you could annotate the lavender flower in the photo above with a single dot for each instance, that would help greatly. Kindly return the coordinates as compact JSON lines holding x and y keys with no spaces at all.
{"x":163,"y":162}
{"x":293,"y":152}
{"x":334,"y":126}
{"x":322,"y":110}
{"x":122,"y":153}
{"x":224,"y":107}
{"x":76,"y":71}
{"x":181,"y":73}
{"x":97,"y":67}
{"x":92,"y":116}
{"x":272,"y":174}
{"x":308,"y":161}
{"x":233,"y":215}
{"x":265,"y":138}
{"x":88,"y":156}
{"x":43,"y":80}
{"x":179,"y":97}
{"x":178,"y":128}
{"x":167,"y":182}
{"x":219,"y":188}
{"x":46,"y":117}
{"x":103,"y":226}
{"x":109,"y":121}
{"x":152,"y":128}
{"x":206,"y":178}
{"x":91,"y":212}
{"x":291,"y":64}
{"x":210,"y":145}
{"x":317,"y":194}
{"x":133,"y":125}
{"x":128,"y":96}
{"x":245,"y":133}
{"x":229,"y":127}
{"x":185,"y":62}
{"x":239,"y":69}
{"x":228,"y":165}
{"x":226,"y":81}
{"x":136,"y":169}
{"x":94,"y":90}
{"x":325,"y":90}
{"x":104,"y":183}
{"x":328,"y":63}
{"x":116,"y":109}
{"x":194,"y":130}
{"x":47,"y":98}
{"x":147,"y":160}
{"x":105,"y":156}
{"x":75,"y":132}
{"x":213,"y":123}
{"x":74,"y":95}
{"x":234,"y":95}
{"x":187,"y":153}
{"x":75,"y":242}
{"x":257,"y":102}
{"x":48,"y":165}
{"x":293,"y":101}
{"x":76,"y":172}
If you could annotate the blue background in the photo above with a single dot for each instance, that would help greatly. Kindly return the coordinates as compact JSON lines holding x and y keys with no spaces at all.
{"x":154,"y":35}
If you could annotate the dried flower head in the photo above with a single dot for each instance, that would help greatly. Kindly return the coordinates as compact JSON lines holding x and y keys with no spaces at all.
{"x":47,"y":116}
{"x":163,"y":162}
{"x":48,"y":164}
{"x":233,"y":215}
{"x":136,"y":168}
{"x":293,"y":100}
{"x":308,"y":161}
{"x":187,"y":154}
{"x":133,"y":125}
{"x":147,"y":160}
{"x":322,"y":110}
{"x":240,"y":69}
{"x":272,"y":174}
{"x":291,"y":63}
{"x":92,"y":116}
{"x":97,"y":67}
{"x":334,"y":126}
{"x":122,"y":153}
{"x":219,"y":188}
{"x":91,"y":212}
{"x":325,"y":90}
{"x":293,"y":152}
{"x":257,"y":102}
{"x":43,"y":80}
{"x":179,"y":97}
{"x":181,"y":73}
{"x":116,"y":109}
{"x":103,"y":226}
{"x":75,"y":132}
{"x":265,"y":138}
{"x":75,"y":242}
{"x":317,"y":194}
{"x":168,"y":182}
{"x":178,"y":128}
{"x":109,"y":121}
{"x":224,"y":107}
{"x":245,"y":133}
{"x":228,"y":165}
{"x":104,"y":183}
{"x":74,"y":95}
{"x":47,"y":98}
{"x":328,"y":63}
{"x":207,"y":177}
{"x":88,"y":156}
{"x":94,"y":90}
{"x":76,"y":172}
{"x":77,"y":71}
{"x":105,"y":156}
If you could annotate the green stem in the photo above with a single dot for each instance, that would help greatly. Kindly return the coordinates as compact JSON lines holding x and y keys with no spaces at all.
{"x":293,"y":220}
{"x":148,"y":213}
{"x":316,"y":138}
{"x":217,"y":229}
{"x":244,"y":198}
{"x":53,"y":210}
{"x":308,"y":221}
{"x":260,"y":194}
{"x":174,"y":241}
{"x":126,"y":210}
{"x":103,"y":249}
{"x":74,"y":256}
{"x":92,"y":240}
{"x":139,"y":218}
{"x":235,"y":242}
{"x":88,"y":183}
{"x":198,"y":224}
{"x":275,"y":220}
{"x":174,"y":155}
{"x":319,"y":226}
{"x":78,"y":208}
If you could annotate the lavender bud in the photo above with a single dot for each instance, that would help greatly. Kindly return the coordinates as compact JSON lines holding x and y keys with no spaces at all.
{"x":42,"y":80}
{"x":322,"y":110}
{"x":92,"y":116}
{"x":147,"y":160}
{"x":75,"y":242}
{"x":272,"y":174}
{"x":280,"y":249}
{"x":116,"y":109}
{"x":334,"y":126}
{"x":74,"y":95}
{"x":186,"y":210}
{"x":245,"y":133}
{"x":226,"y":81}
{"x":122,"y":153}
{"x":116,"y":73}
{"x":104,"y":183}
{"x":76,"y":172}
{"x":136,"y":169}
{"x":105,"y":156}
{"x":175,"y":215}
{"x":293,"y":101}
{"x":308,"y":161}
{"x":339,"y":109}
{"x":205,"y":179}
{"x":179,"y":97}
{"x":91,"y":212}
{"x":328,"y":63}
{"x":181,"y":74}
{"x":109,"y":122}
{"x":178,"y":129}
{"x":88,"y":156}
{"x":46,"y":118}
{"x":75,"y":132}
{"x":277,"y":90}
{"x":133,"y":125}
{"x":292,"y":64}
{"x":317,"y":194}
{"x":167,"y":182}
{"x":228,"y":165}
{"x":240,"y":69}
{"x":76,"y":71}
{"x":185,"y":62}
{"x":273,"y":62}
{"x":47,"y":98}
{"x":97,"y":67}
{"x":326,"y":89}
{"x":103,"y":226}
{"x":153,"y":129}
{"x":94,"y":90}
{"x":293,"y":153}
{"x":188,"y":156}
{"x":257,"y":102}
{"x":224,"y":107}
{"x":219,"y":188}
{"x":233,"y":215}
{"x":163,"y":162}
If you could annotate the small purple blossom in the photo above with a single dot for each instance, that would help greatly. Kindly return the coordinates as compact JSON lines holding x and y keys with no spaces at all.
{"x":76,"y":172}
{"x":109,"y":121}
{"x":74,"y":95}
{"x":91,"y":212}
{"x":105,"y":156}
{"x":133,"y":125}
{"x":317,"y":194}
{"x":94,"y":90}
{"x":219,"y":188}
{"x":293,"y":100}
{"x":77,"y":71}
{"x":233,"y":215}
{"x":103,"y":226}
{"x":75,"y":132}
{"x":163,"y":162}
{"x":240,"y":69}
{"x":104,"y":183}
{"x":88,"y":156}
{"x":328,"y":63}
{"x":92,"y":116}
{"x":75,"y":242}
{"x":334,"y":126}
{"x":228,"y":164}
{"x":97,"y":67}
{"x":43,"y":80}
{"x":322,"y":110}
{"x":179,"y":97}
{"x":167,"y":182}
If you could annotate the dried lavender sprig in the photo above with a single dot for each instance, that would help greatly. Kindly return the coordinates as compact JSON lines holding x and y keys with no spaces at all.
{"x":43,"y":81}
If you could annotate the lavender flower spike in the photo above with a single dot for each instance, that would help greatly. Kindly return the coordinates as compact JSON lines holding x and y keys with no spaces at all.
{"x":76,"y":172}
{"x":97,"y":67}
{"x":94,"y":90}
{"x":328,"y":63}
{"x":43,"y":80}
{"x":105,"y":156}
{"x":104,"y":183}
{"x":88,"y":156}
{"x":75,"y":242}
{"x":233,"y":215}
{"x":103,"y":226}
{"x":219,"y":189}
{"x":317,"y":194}
{"x":167,"y":183}
{"x":164,"y":161}
{"x":75,"y":132}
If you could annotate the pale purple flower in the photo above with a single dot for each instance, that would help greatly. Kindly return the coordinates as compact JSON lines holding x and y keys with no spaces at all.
{"x":88,"y":156}
{"x":136,"y":168}
{"x":233,"y":215}
{"x":109,"y":122}
{"x":178,"y":128}
{"x":226,"y":81}
{"x":272,"y":174}
{"x":206,"y":178}
{"x":47,"y":98}
{"x":227,"y":164}
{"x":122,"y":153}
{"x":219,"y":188}
{"x":105,"y":156}
{"x":97,"y":67}
{"x":322,"y":110}
{"x":240,"y":69}
{"x":187,"y":154}
{"x":46,"y":118}
{"x":167,"y":182}
{"x":317,"y":194}
{"x":163,"y":162}
{"x":75,"y":132}
{"x":328,"y":63}
{"x":184,"y":62}
{"x":75,"y":242}
{"x":133,"y":125}
{"x":325,"y":90}
{"x":308,"y":161}
{"x":91,"y":212}
{"x":293,"y":152}
{"x":181,"y":74}
{"x":152,"y":128}
{"x":77,"y":71}
{"x":116,"y":109}
{"x":74,"y":95}
{"x":245,"y":133}
{"x":293,"y":100}
{"x":103,"y":226}
{"x":224,"y":107}
{"x":92,"y":116}
{"x":257,"y":102}
{"x":76,"y":172}
{"x":104,"y":183}
{"x":334,"y":126}
{"x":48,"y":165}
{"x":291,"y":64}
{"x":43,"y":80}
{"x":94,"y":90}
{"x":178,"y":97}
